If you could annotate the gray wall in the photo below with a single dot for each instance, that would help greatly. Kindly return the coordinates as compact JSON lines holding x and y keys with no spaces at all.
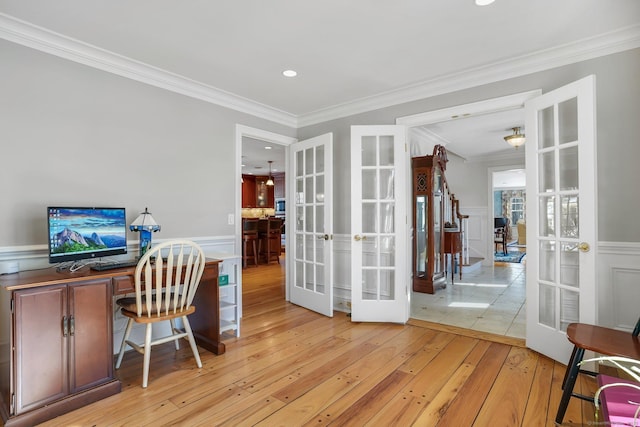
{"x":618,"y":127}
{"x":74,"y":135}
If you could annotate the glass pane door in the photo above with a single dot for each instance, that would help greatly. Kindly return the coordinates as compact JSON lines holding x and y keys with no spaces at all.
{"x":311,"y":256}
{"x":378,"y":220}
{"x":561,"y":265}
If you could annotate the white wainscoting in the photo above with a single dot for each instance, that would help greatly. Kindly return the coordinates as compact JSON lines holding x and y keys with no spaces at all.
{"x":478,"y":233}
{"x":342,"y":272}
{"x":618,"y":269}
{"x":618,"y":274}
{"x":618,"y":298}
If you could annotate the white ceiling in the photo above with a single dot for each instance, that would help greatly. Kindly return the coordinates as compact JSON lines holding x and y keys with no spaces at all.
{"x":256,"y":157}
{"x":351,"y":56}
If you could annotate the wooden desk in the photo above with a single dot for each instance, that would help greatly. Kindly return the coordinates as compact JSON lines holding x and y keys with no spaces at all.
{"x":56,"y":338}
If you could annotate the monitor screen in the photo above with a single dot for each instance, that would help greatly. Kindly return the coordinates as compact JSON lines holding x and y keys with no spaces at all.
{"x":77,"y":233}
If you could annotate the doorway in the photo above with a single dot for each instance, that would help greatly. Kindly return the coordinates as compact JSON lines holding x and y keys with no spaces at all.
{"x":252,"y":157}
{"x":490,"y":298}
{"x":508,"y":199}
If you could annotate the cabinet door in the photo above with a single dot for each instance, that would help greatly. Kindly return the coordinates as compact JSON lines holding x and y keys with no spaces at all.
{"x":90,"y":334}
{"x":40,"y":347}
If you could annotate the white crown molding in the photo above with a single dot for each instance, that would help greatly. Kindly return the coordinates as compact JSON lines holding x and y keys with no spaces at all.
{"x":582,"y":50}
{"x":27,"y":34}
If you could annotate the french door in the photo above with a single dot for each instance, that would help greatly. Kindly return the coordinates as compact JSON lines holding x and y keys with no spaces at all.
{"x":380,"y":263}
{"x":561,"y":216}
{"x":310,"y":249}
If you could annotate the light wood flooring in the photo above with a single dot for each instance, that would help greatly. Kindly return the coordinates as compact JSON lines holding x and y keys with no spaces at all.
{"x":293,"y":367}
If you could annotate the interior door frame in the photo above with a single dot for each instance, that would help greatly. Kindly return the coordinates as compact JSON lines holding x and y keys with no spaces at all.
{"x":263,"y":135}
{"x":492,"y":208}
{"x":460,"y":112}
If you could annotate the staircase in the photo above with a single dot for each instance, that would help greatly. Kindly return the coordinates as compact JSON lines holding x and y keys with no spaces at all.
{"x":456,"y":219}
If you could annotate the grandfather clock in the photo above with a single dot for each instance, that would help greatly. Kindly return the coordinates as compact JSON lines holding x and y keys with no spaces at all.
{"x":428,"y":221}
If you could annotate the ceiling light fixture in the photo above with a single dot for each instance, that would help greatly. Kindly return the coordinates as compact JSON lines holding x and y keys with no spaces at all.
{"x":289,"y":73}
{"x":515,"y":140}
{"x":484,"y":2}
{"x":270,"y":180}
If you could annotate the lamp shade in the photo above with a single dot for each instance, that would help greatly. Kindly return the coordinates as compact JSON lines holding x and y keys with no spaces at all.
{"x":145,"y":222}
{"x":270,"y":180}
{"x":515,"y":140}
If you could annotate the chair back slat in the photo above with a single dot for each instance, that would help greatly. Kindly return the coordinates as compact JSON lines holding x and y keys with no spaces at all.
{"x":168,"y":285}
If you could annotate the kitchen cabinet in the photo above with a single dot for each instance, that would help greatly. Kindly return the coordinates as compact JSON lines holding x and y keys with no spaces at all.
{"x":256,"y":193}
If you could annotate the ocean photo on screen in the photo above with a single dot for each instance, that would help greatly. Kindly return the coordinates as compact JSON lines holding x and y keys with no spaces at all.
{"x":79,"y":230}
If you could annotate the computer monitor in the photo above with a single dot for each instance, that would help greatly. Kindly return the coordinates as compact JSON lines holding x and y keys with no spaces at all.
{"x":77,"y":233}
{"x":499,"y":222}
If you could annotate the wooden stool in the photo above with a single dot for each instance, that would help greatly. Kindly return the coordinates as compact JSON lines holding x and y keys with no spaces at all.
{"x":249,"y":235}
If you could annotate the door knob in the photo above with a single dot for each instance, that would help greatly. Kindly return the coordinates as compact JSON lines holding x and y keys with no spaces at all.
{"x":323,"y":237}
{"x":584,"y":247}
{"x":358,"y":237}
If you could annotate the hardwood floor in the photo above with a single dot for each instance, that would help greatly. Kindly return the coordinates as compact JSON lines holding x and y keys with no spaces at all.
{"x":295,"y":367}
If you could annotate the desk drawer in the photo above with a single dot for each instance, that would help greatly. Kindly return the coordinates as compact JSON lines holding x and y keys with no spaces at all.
{"x":123,"y":285}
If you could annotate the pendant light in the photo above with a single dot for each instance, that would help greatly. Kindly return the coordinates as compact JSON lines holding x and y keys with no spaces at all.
{"x":515,"y":140}
{"x":270,"y":180}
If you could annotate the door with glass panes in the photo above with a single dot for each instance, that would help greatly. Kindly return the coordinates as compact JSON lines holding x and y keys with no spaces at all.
{"x":561,"y":215}
{"x":380,"y":261}
{"x":311,"y":222}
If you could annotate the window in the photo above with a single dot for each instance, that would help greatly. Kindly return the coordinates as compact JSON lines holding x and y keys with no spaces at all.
{"x":517,"y":209}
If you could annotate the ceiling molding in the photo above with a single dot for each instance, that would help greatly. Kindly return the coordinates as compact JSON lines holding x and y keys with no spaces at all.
{"x":582,"y":50}
{"x":493,"y":105}
{"x":514,"y":154}
{"x":27,"y":34}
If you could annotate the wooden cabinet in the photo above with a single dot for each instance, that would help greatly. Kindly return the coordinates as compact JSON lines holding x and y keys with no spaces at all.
{"x":280,"y":186}
{"x":56,"y":338}
{"x":248,"y":191}
{"x":57,"y":349}
{"x":256,"y":193}
{"x":62,"y":345}
{"x":428,"y":221}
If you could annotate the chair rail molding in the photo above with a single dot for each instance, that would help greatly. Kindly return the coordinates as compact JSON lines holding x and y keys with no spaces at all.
{"x":32,"y":257}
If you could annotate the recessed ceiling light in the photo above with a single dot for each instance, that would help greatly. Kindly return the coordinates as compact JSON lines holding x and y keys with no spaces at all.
{"x":267,"y":147}
{"x":289,"y":73}
{"x":484,"y":2}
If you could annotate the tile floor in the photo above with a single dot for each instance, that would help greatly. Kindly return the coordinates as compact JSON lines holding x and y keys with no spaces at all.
{"x":490,"y":299}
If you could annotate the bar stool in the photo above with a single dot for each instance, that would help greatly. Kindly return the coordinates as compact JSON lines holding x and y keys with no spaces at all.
{"x":249,"y":235}
{"x":269,"y":232}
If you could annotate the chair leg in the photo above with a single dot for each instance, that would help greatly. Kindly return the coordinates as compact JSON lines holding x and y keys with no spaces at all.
{"x":173,"y":331}
{"x":571,"y":363}
{"x":569,"y":382}
{"x":244,"y":253}
{"x":147,"y":356}
{"x":255,"y":253}
{"x":123,"y":346}
{"x":192,"y":341}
